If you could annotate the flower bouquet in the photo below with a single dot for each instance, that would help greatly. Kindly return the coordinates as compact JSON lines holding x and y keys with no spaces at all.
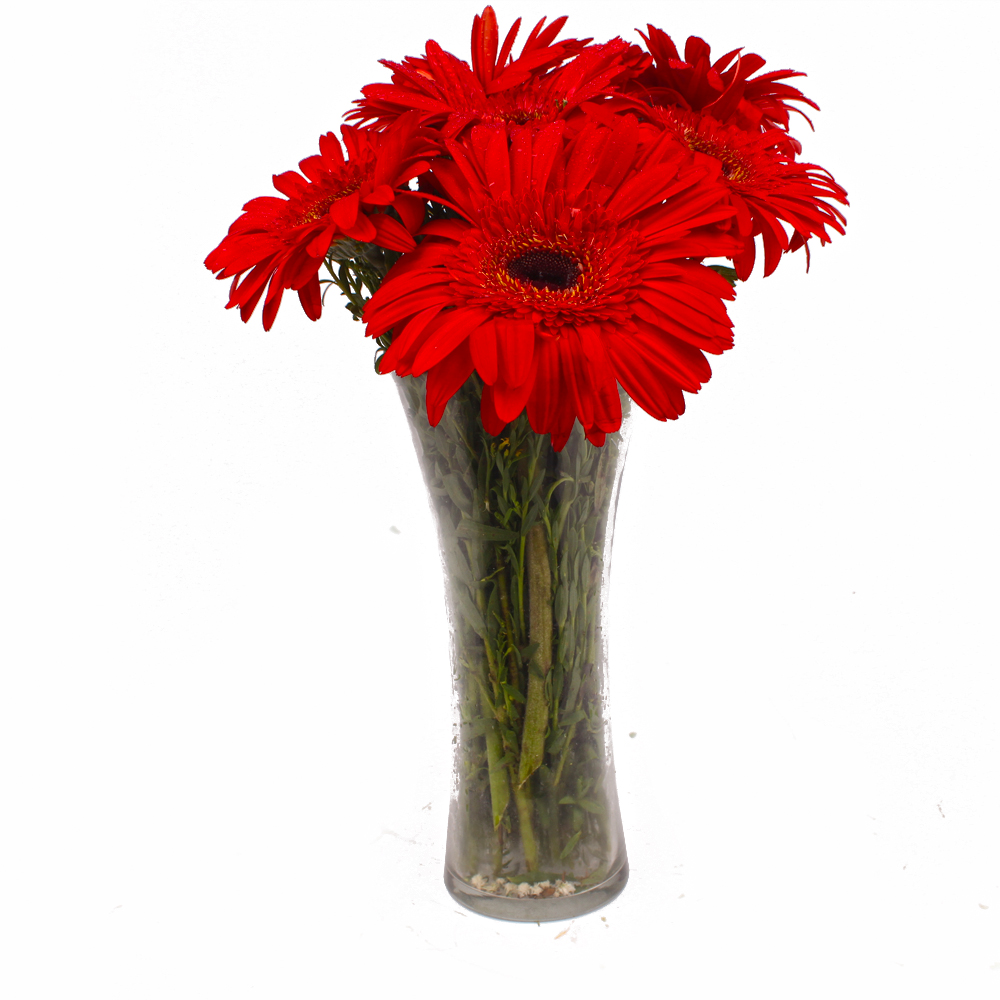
{"x":530,"y":242}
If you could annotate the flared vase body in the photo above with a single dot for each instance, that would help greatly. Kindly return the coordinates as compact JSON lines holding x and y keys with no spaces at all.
{"x":534,"y":830}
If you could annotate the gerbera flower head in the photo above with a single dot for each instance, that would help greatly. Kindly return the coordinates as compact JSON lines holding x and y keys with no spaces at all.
{"x":536,"y":88}
{"x":726,"y":90}
{"x":574,"y":268}
{"x":767,"y":187}
{"x":282,"y":242}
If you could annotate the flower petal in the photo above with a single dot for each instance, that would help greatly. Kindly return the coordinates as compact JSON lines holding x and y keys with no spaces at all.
{"x":454,"y":330}
{"x":483,"y":346}
{"x":390,"y":234}
{"x":445,"y":379}
{"x":516,"y":345}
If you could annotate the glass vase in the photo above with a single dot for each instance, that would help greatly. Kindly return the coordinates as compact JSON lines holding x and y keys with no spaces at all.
{"x":534,"y":828}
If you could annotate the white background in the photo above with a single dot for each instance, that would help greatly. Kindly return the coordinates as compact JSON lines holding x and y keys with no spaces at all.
{"x":225,"y":708}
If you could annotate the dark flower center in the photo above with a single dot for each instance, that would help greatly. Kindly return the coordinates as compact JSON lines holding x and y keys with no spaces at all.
{"x":545,"y":269}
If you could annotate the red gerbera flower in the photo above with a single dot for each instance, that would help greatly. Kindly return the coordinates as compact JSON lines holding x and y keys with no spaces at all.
{"x":722,"y":89}
{"x":283,"y":241}
{"x":536,"y":88}
{"x":766,"y":186}
{"x":570,"y":271}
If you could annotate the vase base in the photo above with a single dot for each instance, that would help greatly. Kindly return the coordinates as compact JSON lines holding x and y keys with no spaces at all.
{"x":532,"y":908}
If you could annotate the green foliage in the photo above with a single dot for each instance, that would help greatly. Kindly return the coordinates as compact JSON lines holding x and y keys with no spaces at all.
{"x":728,"y":273}
{"x":488,"y":494}
{"x":357,"y":269}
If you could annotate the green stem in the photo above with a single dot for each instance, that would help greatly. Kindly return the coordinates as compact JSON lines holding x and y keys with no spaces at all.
{"x":540,"y":631}
{"x":527,"y":829}
{"x":499,"y":788}
{"x":493,"y":674}
{"x":520,"y":584}
{"x":513,"y":675}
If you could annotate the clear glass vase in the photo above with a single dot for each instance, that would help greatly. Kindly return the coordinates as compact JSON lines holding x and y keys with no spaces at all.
{"x":534,"y":829}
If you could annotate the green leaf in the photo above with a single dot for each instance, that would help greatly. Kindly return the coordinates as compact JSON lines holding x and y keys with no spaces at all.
{"x":478,"y":727}
{"x":509,"y":737}
{"x":493,"y":609}
{"x":471,"y":613}
{"x":575,"y":717}
{"x":483,"y":478}
{"x":504,"y":468}
{"x":507,"y":758}
{"x":457,"y":562}
{"x":512,"y":692}
{"x":599,"y":876}
{"x":574,"y":688}
{"x":590,"y":805}
{"x":565,"y":652}
{"x":530,"y":520}
{"x":536,"y":484}
{"x":525,"y":653}
{"x":475,"y":531}
{"x":458,"y":492}
{"x":570,"y":844}
{"x":570,"y":542}
{"x":561,"y":608}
